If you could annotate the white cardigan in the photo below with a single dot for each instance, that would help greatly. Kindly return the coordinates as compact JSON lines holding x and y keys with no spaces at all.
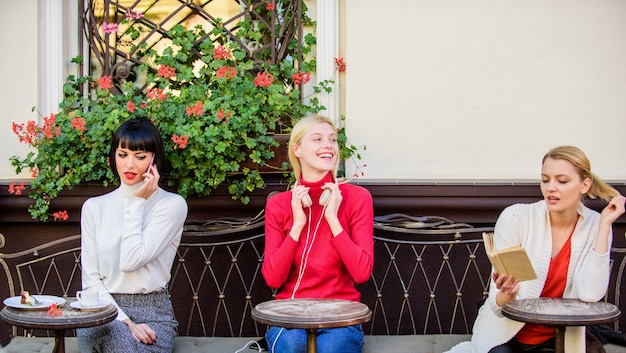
{"x":587,"y":276}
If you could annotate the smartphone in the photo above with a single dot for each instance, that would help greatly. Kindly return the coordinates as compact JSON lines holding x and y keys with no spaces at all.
{"x":151,"y":163}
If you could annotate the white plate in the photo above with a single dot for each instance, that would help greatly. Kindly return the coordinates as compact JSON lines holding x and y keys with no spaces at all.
{"x":44,"y":302}
{"x":76,"y":305}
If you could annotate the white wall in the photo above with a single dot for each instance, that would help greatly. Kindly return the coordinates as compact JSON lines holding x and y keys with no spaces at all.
{"x":438,"y":90}
{"x":481,"y":89}
{"x":18,"y":70}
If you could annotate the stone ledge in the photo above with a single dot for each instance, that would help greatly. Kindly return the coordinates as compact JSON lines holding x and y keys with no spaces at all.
{"x":186,"y":344}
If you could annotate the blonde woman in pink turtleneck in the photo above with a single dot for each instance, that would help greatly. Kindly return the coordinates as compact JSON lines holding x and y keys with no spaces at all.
{"x":317,"y":249}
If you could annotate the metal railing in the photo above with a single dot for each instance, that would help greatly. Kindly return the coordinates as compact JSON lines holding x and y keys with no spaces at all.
{"x":118,"y":33}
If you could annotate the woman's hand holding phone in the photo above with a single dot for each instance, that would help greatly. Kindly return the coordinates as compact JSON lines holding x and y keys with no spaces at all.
{"x":150,"y":181}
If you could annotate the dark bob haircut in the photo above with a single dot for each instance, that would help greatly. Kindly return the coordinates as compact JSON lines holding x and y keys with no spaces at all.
{"x":138,"y":134}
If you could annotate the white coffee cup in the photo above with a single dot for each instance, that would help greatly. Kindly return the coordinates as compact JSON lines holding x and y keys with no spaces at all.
{"x":88,"y":298}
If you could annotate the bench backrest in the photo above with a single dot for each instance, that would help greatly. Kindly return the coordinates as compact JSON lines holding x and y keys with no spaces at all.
{"x":429,"y":276}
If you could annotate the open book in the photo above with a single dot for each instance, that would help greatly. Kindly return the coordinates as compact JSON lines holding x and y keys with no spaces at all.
{"x":511,"y":261}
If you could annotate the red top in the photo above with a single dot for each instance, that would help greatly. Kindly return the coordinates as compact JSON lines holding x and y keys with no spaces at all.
{"x":553,"y":288}
{"x":334,"y":264}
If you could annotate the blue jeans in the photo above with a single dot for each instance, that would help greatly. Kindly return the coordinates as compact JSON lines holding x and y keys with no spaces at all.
{"x":331,"y":340}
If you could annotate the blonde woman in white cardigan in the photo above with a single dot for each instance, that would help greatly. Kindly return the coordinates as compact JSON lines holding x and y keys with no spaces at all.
{"x":568,"y":245}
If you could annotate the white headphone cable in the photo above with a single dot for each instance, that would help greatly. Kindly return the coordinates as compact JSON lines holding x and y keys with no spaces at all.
{"x":303,"y":262}
{"x":307,"y":250}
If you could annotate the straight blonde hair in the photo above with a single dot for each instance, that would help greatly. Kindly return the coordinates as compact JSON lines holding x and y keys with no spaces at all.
{"x":297,"y":133}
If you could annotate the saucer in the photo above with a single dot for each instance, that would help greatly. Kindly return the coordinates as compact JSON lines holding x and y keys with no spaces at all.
{"x":44,"y":302}
{"x":77,"y":305}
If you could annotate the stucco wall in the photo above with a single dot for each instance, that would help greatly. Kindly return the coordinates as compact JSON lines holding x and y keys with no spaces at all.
{"x":18,"y":70}
{"x":447,"y":90}
{"x":481,"y":89}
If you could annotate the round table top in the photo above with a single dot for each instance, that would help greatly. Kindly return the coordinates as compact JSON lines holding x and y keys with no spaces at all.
{"x":308,"y":313}
{"x":69,"y":319}
{"x":561,"y":312}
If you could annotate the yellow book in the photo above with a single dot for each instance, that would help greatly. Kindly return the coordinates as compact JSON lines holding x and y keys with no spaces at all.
{"x":511,"y":261}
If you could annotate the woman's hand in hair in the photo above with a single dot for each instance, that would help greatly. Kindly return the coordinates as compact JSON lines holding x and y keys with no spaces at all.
{"x":613,"y":210}
{"x":609,"y":215}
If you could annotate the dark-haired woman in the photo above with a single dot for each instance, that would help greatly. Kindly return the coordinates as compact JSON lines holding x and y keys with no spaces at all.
{"x":129,"y":240}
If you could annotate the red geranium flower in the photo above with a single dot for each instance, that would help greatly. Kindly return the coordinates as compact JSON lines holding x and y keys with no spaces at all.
{"x":61,"y":215}
{"x":180,"y":141}
{"x":197,"y":109}
{"x":156,"y":93}
{"x":263,"y":79}
{"x":16,"y":189}
{"x":301,"y":77}
{"x":78,"y":123}
{"x":221,"y":52}
{"x":226,"y":71}
{"x":341,"y":64}
{"x":105,"y":82}
{"x":166,"y":71}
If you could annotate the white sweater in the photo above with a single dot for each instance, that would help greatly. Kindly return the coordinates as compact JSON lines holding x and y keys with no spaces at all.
{"x":128,"y":243}
{"x":587,"y":276}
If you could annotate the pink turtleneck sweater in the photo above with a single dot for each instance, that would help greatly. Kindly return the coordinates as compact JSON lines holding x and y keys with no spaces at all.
{"x":334,"y":264}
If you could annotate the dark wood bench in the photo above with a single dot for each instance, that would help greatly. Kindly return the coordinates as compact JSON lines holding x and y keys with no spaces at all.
{"x":429,"y":276}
